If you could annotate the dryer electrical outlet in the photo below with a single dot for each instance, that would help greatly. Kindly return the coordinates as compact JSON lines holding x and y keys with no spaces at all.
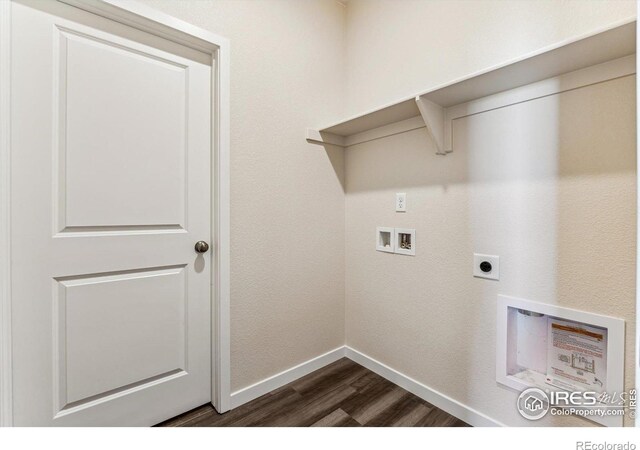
{"x":486,"y":266}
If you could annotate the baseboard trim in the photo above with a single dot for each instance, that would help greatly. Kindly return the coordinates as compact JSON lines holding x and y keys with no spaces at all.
{"x":442,"y":401}
{"x":267,"y":385}
{"x":447,"y":404}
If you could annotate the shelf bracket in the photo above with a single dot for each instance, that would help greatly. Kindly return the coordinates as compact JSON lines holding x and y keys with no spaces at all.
{"x":434,"y":118}
{"x":324,"y":138}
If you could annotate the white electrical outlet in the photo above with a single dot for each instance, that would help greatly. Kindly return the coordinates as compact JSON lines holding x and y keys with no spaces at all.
{"x":486,"y":266}
{"x":401,"y":202}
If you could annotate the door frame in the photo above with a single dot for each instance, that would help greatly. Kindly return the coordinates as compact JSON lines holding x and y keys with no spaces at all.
{"x":149,"y":20}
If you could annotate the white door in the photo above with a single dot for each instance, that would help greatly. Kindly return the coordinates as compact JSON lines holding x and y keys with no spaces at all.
{"x":110,"y":172}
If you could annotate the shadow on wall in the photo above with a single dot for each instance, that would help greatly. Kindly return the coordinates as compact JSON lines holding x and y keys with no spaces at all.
{"x":596,"y":205}
{"x":548,"y":185}
{"x":336,"y":158}
{"x":596,"y":148}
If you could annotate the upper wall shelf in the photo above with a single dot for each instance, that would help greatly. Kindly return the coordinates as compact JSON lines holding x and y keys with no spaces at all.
{"x":436,"y":108}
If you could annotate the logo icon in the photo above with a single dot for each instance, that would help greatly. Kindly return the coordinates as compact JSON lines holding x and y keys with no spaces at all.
{"x":533,"y":404}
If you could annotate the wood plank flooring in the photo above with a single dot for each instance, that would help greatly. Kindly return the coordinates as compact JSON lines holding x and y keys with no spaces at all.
{"x":342,"y":394}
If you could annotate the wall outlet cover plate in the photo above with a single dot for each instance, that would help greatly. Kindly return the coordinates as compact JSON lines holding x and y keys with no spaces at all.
{"x":493,"y":260}
{"x":401,"y":202}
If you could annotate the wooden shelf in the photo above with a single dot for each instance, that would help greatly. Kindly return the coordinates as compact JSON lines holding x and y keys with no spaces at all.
{"x":433,"y":108}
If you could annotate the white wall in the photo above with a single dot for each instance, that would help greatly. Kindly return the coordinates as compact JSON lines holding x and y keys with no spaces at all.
{"x":548,"y":185}
{"x":287,"y":213}
{"x":397,"y":48}
{"x":541,"y":184}
{"x":301,"y":63}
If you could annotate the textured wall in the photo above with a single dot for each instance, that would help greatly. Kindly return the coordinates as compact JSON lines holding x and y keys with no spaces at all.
{"x":545,"y":198}
{"x":548,"y":209}
{"x":287,"y":213}
{"x":397,"y":48}
{"x":546,"y":185}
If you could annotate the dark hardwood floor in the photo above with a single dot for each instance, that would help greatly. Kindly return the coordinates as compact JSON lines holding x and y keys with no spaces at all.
{"x":342,"y":394}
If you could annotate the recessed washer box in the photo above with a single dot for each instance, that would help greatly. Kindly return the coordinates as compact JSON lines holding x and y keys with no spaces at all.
{"x":405,"y":241}
{"x":385,"y":239}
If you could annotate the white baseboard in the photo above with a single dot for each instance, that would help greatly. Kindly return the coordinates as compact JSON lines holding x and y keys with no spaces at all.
{"x":274,"y":382}
{"x":447,"y":404}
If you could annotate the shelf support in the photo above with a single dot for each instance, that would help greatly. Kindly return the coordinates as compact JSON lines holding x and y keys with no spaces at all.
{"x":323,"y":138}
{"x":434,"y":118}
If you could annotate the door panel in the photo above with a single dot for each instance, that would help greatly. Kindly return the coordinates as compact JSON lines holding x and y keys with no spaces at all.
{"x":120,"y":108}
{"x":100,"y":316}
{"x":110,"y":191}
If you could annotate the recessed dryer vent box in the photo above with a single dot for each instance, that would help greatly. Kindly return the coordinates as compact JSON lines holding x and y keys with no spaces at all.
{"x":560,"y":349}
{"x":385,"y":239}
